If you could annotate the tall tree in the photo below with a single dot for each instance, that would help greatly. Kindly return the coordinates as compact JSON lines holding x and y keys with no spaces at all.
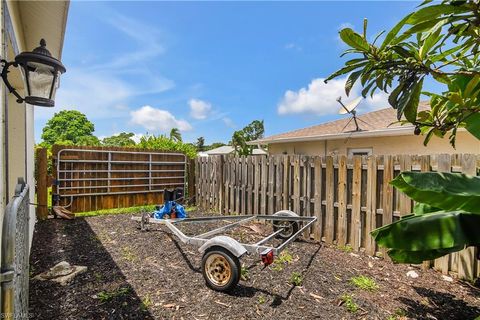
{"x":175,"y":134}
{"x":253,"y":131}
{"x":123,"y":139}
{"x":67,"y":125}
{"x":200,"y":144}
{"x":440,"y":42}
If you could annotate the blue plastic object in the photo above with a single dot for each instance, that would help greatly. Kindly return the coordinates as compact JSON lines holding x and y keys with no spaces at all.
{"x":166,"y":209}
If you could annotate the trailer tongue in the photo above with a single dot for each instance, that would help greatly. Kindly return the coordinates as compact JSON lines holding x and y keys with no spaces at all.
{"x":221,"y":254}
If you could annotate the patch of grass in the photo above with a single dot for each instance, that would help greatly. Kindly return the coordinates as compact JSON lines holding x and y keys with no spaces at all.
{"x":296,"y":279}
{"x":244,"y":273}
{"x":349,"y":304}
{"x":105,"y":296}
{"x":146,"y":302}
{"x":115,"y":211}
{"x":261,"y":299}
{"x":98,"y":276}
{"x":398,"y":314}
{"x":364,"y":283}
{"x":347,"y":248}
{"x":128,"y":254}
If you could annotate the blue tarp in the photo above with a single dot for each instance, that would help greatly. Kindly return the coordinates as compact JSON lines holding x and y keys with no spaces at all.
{"x":166,"y":209}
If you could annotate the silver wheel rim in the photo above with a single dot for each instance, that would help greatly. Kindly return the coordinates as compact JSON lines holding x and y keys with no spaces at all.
{"x":218,"y":269}
{"x":287,"y":228}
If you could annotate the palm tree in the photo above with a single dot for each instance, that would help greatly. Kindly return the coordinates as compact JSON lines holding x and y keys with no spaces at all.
{"x":175,"y":134}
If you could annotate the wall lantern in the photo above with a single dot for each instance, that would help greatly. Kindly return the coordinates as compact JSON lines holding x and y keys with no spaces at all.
{"x":41,"y":73}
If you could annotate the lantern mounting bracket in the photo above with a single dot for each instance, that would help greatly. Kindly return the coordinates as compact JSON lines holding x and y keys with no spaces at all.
{"x":4,"y":76}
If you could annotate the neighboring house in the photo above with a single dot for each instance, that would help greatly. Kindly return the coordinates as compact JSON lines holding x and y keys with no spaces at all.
{"x":224,"y":150}
{"x":24,"y":23}
{"x":379,"y":135}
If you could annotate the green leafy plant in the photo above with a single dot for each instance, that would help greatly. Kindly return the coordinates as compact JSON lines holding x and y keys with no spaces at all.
{"x":438,"y":42}
{"x":296,"y":278}
{"x":347,"y":248}
{"x":349,"y":304}
{"x":146,"y":303}
{"x":244,"y":274}
{"x":444,"y":220}
{"x":105,"y":296}
{"x":281,"y":260}
{"x":364,"y":283}
{"x":261,"y":299}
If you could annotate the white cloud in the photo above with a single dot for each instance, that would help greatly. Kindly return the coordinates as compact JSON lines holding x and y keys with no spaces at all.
{"x":199,"y":109}
{"x":319,"y":98}
{"x":158,"y":120}
{"x":228,"y":122}
{"x":104,"y":89}
{"x":293,"y":46}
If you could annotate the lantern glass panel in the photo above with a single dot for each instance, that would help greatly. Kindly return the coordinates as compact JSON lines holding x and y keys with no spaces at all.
{"x":40,"y":78}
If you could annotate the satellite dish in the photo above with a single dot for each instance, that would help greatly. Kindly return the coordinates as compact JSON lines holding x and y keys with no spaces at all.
{"x":349,"y":108}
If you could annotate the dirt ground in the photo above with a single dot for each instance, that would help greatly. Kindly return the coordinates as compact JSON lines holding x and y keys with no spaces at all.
{"x":152,"y":275}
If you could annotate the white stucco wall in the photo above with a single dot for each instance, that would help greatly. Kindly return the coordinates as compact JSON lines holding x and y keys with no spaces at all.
{"x":410,"y":144}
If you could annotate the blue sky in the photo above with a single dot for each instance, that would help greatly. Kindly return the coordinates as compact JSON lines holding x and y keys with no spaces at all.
{"x":209,"y":68}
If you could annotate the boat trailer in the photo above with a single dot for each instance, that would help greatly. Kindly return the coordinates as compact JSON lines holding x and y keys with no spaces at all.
{"x":221,"y":266}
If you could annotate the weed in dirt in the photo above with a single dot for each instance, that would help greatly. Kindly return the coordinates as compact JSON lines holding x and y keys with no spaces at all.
{"x":128,"y":254}
{"x":105,"y":296}
{"x":31,"y":272}
{"x":347,"y":248}
{"x":146,"y":303}
{"x":349,"y":304}
{"x":97,"y":276}
{"x":296,"y":278}
{"x":398,"y":314}
{"x":283,"y":258}
{"x":244,"y":273}
{"x":364,"y":283}
{"x":261,"y":300}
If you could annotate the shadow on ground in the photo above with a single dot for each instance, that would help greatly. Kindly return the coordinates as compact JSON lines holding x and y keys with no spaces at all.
{"x":100,"y":293}
{"x":440,"y":305}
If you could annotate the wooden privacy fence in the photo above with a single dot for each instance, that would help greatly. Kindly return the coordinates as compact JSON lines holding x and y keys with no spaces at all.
{"x":95,"y":178}
{"x":349,"y":196}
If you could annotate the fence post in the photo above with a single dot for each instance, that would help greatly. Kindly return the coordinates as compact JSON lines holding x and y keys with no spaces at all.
{"x":42,"y":188}
{"x":191,"y":179}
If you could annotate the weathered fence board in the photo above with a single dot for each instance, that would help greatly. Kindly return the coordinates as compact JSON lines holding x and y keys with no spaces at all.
{"x":349,"y":196}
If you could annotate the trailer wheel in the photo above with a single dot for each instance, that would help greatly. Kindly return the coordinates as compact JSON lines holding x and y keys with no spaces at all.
{"x":289,"y":227}
{"x":221,"y":269}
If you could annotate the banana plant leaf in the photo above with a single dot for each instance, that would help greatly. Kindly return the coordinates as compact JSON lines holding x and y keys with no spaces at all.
{"x":447,"y":191}
{"x":416,"y":238}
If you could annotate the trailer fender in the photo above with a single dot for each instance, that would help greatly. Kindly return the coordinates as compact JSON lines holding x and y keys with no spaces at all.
{"x":285,"y":213}
{"x":228,"y":243}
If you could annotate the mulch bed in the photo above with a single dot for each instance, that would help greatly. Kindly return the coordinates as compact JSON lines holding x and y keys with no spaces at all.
{"x":152,"y":275}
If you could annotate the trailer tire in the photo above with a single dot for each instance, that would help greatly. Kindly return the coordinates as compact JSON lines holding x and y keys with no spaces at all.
{"x":221,"y":269}
{"x":291,"y":227}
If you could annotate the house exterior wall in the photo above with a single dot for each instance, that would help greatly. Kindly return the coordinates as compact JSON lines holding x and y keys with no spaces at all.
{"x":408,"y":144}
